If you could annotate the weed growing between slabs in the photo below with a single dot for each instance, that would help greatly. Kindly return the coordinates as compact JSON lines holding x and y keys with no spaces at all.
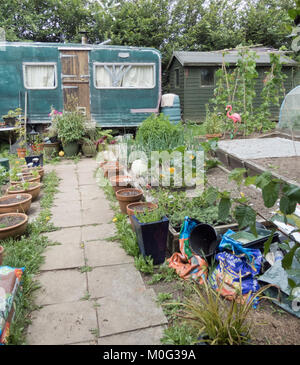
{"x":27,"y":252}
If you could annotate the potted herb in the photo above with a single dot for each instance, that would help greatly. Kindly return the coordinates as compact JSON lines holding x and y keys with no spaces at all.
{"x":70,"y":129}
{"x":151,"y":228}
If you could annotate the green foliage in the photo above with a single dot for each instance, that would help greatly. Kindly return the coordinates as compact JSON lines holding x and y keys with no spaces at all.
{"x":237,"y":87}
{"x":272,"y":190}
{"x":179,"y":334}
{"x":144,"y":264}
{"x":4,"y":175}
{"x":149,"y":216}
{"x":163,"y":297}
{"x":164,"y":274}
{"x":214,"y":122}
{"x":70,"y":126}
{"x":176,"y":206}
{"x":157,"y":133}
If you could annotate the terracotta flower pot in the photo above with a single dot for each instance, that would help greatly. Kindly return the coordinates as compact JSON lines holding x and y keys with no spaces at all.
{"x":15,"y":229}
{"x":21,"y":152}
{"x":1,"y":254}
{"x":28,"y":171}
{"x":15,"y":203}
{"x":113,"y":171}
{"x":107,"y":164}
{"x":120,"y":182}
{"x":139,"y":207}
{"x":127,"y":196}
{"x":34,"y":191}
{"x":27,"y":178}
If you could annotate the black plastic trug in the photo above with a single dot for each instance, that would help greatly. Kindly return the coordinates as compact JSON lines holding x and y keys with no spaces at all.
{"x":203,"y":240}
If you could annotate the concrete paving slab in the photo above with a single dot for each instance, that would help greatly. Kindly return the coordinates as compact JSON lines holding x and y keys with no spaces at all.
{"x":98,"y":232}
{"x":255,"y":148}
{"x":60,"y":287}
{"x":86,"y":178}
{"x":62,"y":324}
{"x":115,"y":281}
{"x":66,"y":236}
{"x":102,"y":253}
{"x":135,"y":311}
{"x":68,"y":195}
{"x":64,"y":256}
{"x":91,"y":192}
{"x":66,"y":214}
{"x":95,"y":212}
{"x":148,"y":336}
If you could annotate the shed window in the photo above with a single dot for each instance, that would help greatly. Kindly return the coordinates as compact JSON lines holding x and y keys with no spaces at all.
{"x":39,"y":75}
{"x":124,"y":76}
{"x":177,"y":77}
{"x":207,"y":77}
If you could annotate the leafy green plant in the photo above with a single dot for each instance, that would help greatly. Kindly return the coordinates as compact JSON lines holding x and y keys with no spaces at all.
{"x":3,"y":175}
{"x":144,"y":264}
{"x":272,"y":189}
{"x":179,"y":334}
{"x":157,"y":133}
{"x":70,"y":126}
{"x":214,"y":122}
{"x":149,"y":216}
{"x":163,"y":297}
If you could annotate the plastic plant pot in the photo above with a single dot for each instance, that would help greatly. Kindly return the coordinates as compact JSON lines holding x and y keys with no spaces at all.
{"x":204,"y":241}
{"x":152,"y":238}
{"x":71,"y":149}
{"x":127,"y":196}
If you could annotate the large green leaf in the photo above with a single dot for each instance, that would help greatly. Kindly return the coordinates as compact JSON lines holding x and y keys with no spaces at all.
{"x":245,"y":216}
{"x":287,"y":206}
{"x":270,"y":193}
{"x":288,"y":258}
{"x":224,"y":208}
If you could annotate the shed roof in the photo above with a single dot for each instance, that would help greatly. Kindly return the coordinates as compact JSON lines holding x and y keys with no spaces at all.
{"x":215,"y":58}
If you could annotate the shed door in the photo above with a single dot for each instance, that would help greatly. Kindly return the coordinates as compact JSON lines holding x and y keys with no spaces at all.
{"x":76,"y":80}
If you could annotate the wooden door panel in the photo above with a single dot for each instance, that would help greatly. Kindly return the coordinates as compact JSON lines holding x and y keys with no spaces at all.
{"x":76,"y":80}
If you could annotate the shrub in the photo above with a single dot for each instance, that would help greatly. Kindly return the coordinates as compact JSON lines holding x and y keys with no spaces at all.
{"x":157,"y":133}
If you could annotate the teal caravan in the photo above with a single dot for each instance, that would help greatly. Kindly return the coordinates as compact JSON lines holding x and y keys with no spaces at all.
{"x":114,"y":86}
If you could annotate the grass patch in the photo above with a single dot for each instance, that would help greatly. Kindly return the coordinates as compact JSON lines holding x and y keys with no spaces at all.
{"x":27,"y":251}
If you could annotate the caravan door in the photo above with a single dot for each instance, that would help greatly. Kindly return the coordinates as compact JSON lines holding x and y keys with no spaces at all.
{"x":76,"y":80}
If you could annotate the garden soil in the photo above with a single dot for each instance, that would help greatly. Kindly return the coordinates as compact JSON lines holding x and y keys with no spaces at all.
{"x":288,"y":167}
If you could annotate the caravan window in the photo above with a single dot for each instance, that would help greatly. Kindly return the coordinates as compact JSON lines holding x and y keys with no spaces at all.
{"x":40,"y":75}
{"x":124,"y":75}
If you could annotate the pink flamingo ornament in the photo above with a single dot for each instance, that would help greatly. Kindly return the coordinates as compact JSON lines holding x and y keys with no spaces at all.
{"x":235,"y":117}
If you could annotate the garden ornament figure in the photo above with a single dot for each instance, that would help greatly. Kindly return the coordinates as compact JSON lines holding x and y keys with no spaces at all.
{"x":235,"y":117}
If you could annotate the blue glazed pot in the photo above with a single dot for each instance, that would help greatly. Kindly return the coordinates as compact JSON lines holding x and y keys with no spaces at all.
{"x":152,"y":238}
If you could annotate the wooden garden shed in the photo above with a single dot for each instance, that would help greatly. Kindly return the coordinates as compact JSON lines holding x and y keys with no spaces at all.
{"x":192,"y":77}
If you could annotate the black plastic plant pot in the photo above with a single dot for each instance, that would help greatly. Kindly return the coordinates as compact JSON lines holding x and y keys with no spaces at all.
{"x":37,"y":160}
{"x":152,"y":238}
{"x":204,"y":241}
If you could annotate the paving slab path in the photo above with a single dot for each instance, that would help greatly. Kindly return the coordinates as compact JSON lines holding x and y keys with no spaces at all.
{"x":90,"y":293}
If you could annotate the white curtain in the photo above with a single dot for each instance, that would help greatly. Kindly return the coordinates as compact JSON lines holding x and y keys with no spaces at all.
{"x":139,"y":76}
{"x":126,"y":76}
{"x":40,"y":76}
